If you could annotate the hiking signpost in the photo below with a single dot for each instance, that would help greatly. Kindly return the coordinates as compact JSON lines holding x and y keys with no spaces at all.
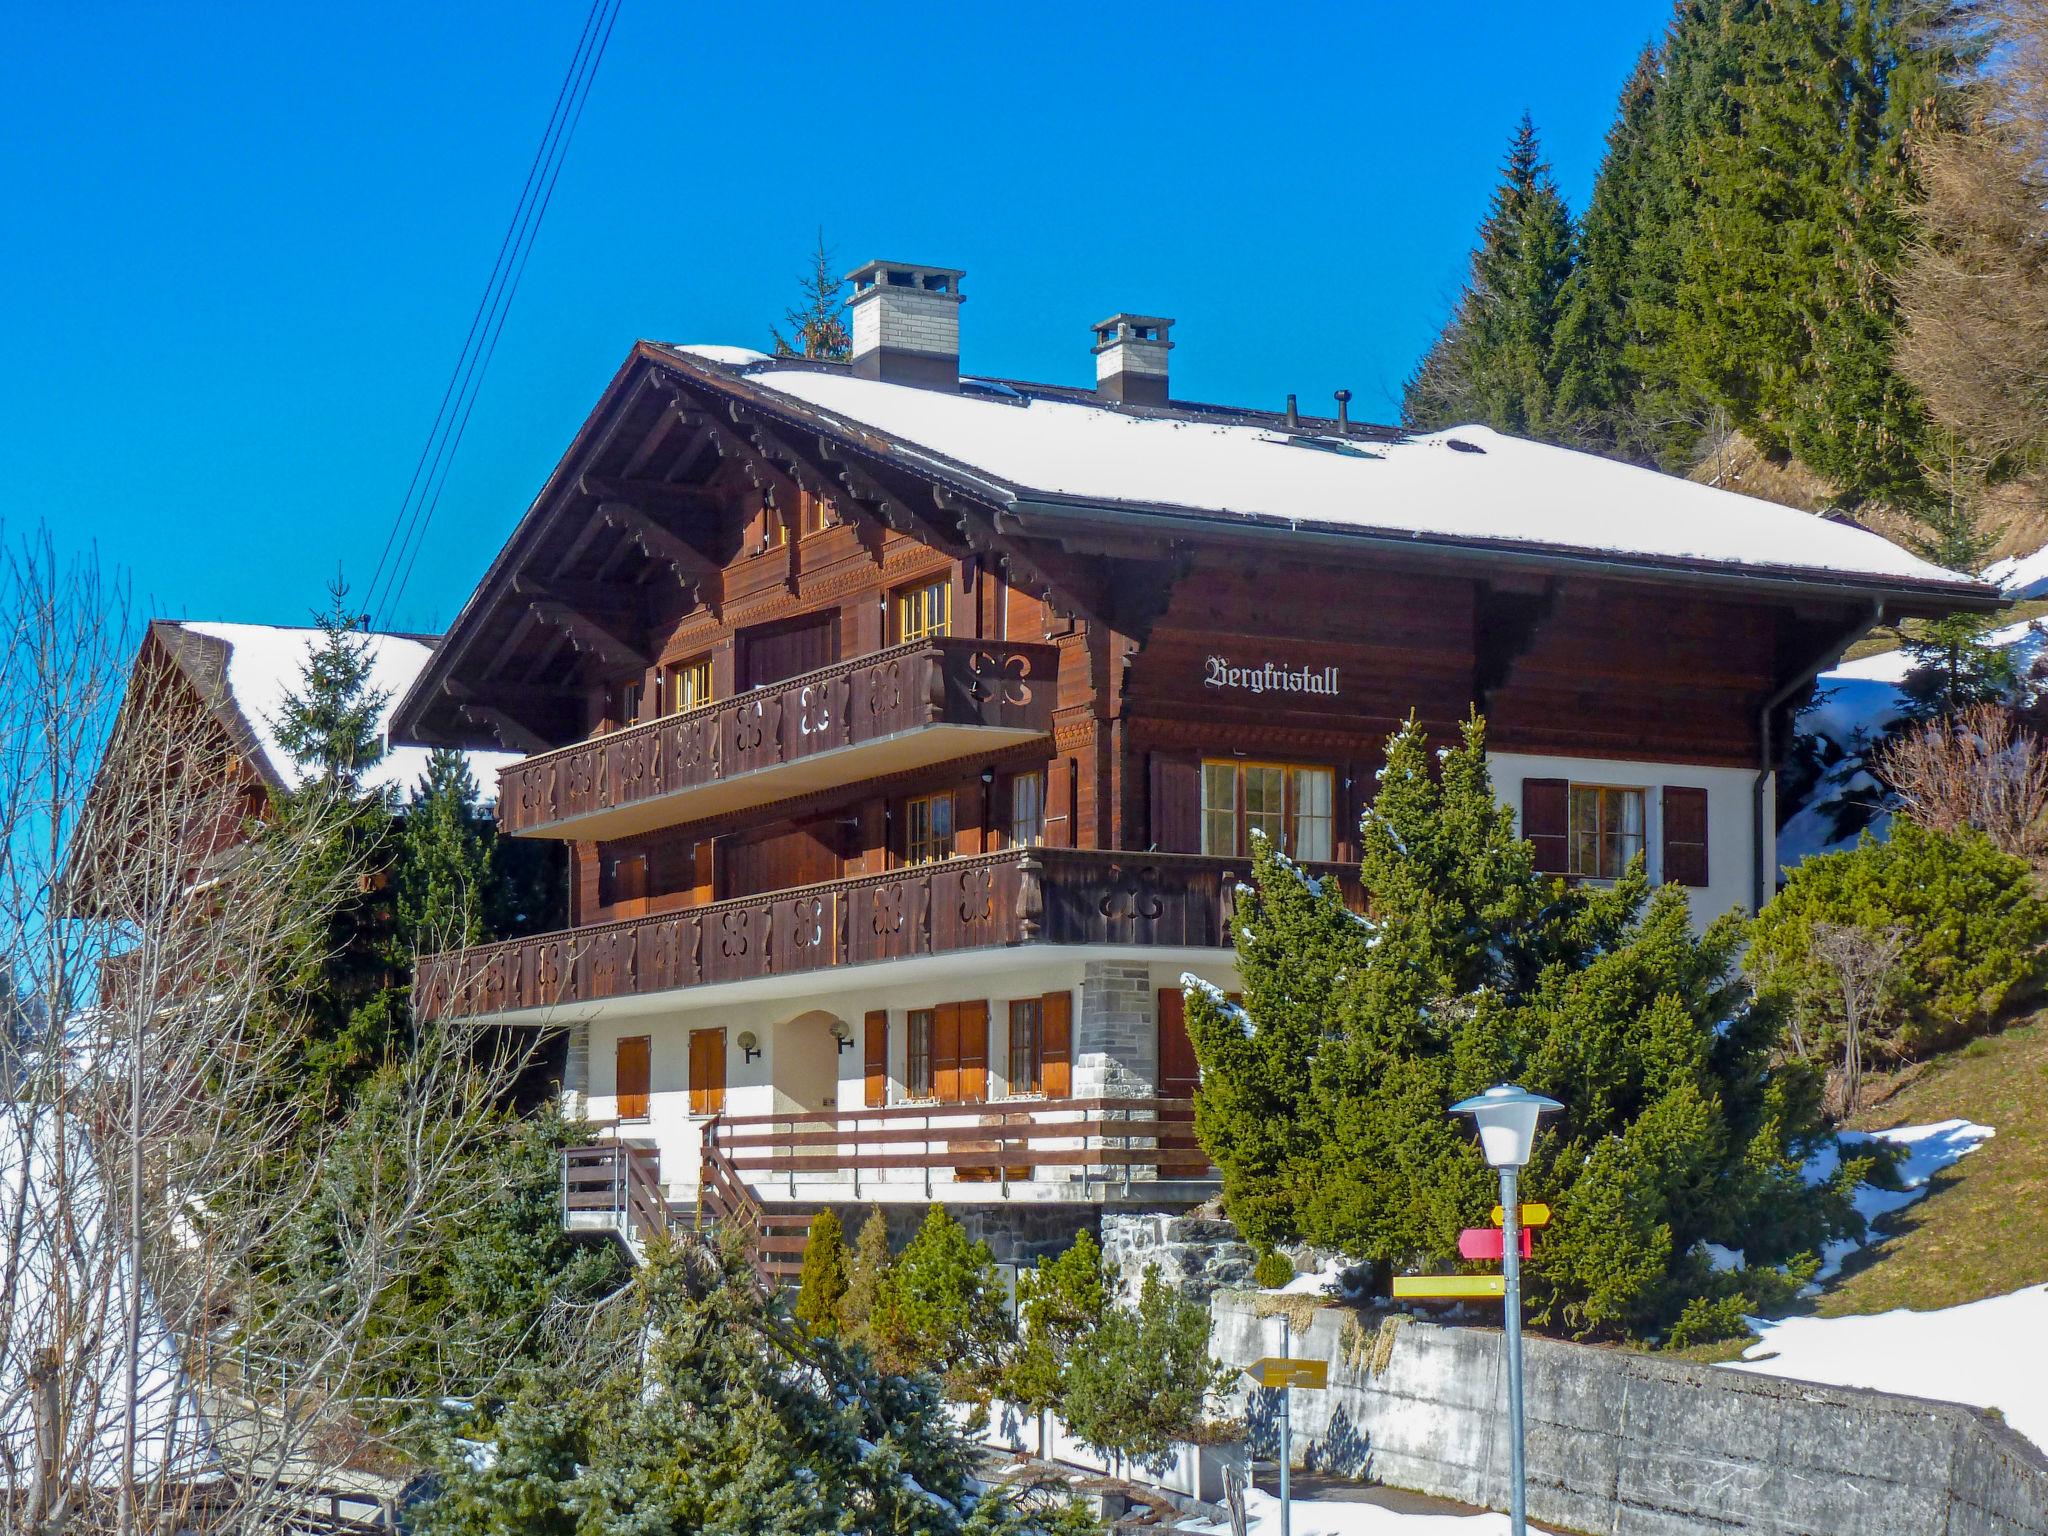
{"x":1279,"y":1373}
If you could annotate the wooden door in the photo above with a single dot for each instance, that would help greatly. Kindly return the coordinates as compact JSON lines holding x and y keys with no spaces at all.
{"x":707,"y":1071}
{"x":1179,"y":1073}
{"x":773,"y":652}
{"x":877,"y":1059}
{"x":633,"y":1076}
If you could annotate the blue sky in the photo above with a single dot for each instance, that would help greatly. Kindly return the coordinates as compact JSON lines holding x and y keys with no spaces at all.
{"x":241,"y":245}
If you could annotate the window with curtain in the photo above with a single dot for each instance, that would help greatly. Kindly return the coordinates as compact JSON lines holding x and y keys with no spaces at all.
{"x":1027,"y":1047}
{"x":925,"y":610}
{"x":928,"y":828}
{"x":1027,"y":809}
{"x":1290,"y":804}
{"x":1606,"y":831}
{"x":917,"y":1062}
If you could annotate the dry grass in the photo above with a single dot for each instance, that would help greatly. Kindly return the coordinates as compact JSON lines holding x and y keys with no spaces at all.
{"x":1982,"y":1229}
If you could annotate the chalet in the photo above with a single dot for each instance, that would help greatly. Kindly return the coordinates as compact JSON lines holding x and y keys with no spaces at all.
{"x":909,"y":731}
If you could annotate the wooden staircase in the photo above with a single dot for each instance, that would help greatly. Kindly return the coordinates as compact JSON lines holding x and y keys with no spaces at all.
{"x":774,"y":1237}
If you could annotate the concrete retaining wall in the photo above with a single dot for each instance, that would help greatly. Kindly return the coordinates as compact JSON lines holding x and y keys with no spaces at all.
{"x":1624,"y":1444}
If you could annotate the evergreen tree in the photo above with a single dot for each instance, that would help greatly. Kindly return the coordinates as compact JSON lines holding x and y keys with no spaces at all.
{"x":329,"y":723}
{"x":1953,"y":667}
{"x":821,"y":1286}
{"x":443,"y":872}
{"x":1141,"y":1383}
{"x":1324,"y":1096}
{"x":948,"y":1306}
{"x":1061,"y":1302}
{"x":1497,"y":362}
{"x":867,"y":1310}
{"x":818,"y":323}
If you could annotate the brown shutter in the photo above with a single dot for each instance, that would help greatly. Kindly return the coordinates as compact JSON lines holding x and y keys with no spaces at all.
{"x":1685,"y":835}
{"x":1547,"y":823}
{"x":1179,"y":1073}
{"x":1176,"y":803}
{"x":946,"y":1053}
{"x":633,"y":1076}
{"x":1056,"y":1043}
{"x":1059,"y":803}
{"x":973,"y":1082}
{"x":878,"y":1059}
{"x":969,"y":801}
{"x":707,"y":1071}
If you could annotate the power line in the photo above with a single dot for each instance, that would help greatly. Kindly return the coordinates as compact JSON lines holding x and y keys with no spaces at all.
{"x":465,"y":382}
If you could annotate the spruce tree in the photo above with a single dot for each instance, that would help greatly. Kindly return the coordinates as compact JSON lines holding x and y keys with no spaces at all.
{"x":1324,"y":1095}
{"x":1142,"y":1382}
{"x":329,"y":722}
{"x":867,"y":1309}
{"x":443,"y":873}
{"x":818,"y":323}
{"x":948,"y":1304}
{"x":821,"y":1286}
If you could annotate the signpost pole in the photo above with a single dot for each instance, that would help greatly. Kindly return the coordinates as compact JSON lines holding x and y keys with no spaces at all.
{"x":1511,"y":1270}
{"x":1286,"y":1457}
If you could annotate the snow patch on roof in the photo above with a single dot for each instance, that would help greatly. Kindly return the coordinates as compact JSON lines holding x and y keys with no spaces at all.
{"x":1427,"y":486}
{"x":730,"y":357}
{"x":268,"y":661}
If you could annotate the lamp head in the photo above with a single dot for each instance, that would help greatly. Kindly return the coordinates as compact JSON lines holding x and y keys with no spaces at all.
{"x":1506,"y":1116}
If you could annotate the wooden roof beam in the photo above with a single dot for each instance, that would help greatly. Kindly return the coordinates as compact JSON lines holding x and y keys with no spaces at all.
{"x":698,"y":573}
{"x":589,"y":635}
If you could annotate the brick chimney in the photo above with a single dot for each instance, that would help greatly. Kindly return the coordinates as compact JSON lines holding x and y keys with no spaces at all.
{"x":906,"y":323}
{"x":1130,"y":358}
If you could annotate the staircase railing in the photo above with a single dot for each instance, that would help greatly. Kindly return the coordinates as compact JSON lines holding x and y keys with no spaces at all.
{"x":619,"y":1179}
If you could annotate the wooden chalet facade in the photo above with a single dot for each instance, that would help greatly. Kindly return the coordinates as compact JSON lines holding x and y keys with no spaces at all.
{"x":908,"y":734}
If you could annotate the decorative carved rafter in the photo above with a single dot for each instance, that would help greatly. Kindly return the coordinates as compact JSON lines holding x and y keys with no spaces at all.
{"x":697,"y":572}
{"x":588,"y":634}
{"x":513,"y":734}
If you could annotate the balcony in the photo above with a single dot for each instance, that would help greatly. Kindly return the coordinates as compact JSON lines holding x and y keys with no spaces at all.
{"x":911,"y":707}
{"x":1021,"y":896}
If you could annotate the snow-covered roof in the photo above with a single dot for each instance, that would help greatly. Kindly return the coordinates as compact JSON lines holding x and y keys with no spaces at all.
{"x":268,"y":661}
{"x":1468,"y":484}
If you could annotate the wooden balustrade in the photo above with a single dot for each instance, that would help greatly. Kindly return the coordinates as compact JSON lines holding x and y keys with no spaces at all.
{"x":645,"y":775}
{"x":618,"y":1180}
{"x":1016,"y":897}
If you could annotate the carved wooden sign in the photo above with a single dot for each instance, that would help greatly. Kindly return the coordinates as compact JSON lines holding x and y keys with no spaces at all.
{"x":1270,"y":677}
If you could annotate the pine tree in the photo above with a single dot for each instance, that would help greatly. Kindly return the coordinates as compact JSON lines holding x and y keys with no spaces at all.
{"x":821,"y":1286}
{"x":1497,"y":362}
{"x":1060,"y":1304}
{"x":443,"y":874}
{"x":1141,"y":1383}
{"x":867,"y":1310}
{"x":1324,"y":1095}
{"x":819,"y":322}
{"x":329,"y":723}
{"x":948,"y":1305}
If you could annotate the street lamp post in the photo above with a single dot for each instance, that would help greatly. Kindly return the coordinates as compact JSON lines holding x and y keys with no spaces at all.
{"x":1506,"y":1117}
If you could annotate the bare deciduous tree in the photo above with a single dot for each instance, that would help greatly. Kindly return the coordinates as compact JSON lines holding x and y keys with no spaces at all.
{"x":165,"y":1361}
{"x":1863,"y":961}
{"x":1980,"y":769}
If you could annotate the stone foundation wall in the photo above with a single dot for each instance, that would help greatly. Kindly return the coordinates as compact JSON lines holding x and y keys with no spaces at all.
{"x":1199,"y":1255}
{"x":1624,"y":1444}
{"x":1015,"y":1234}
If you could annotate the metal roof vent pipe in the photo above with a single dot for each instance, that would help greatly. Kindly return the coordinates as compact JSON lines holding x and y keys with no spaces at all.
{"x":906,"y":323}
{"x":1343,"y":413}
{"x":1130,"y":358}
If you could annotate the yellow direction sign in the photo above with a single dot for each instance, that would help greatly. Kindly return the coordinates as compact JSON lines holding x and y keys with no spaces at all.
{"x":1282,"y":1371}
{"x":1533,"y":1215}
{"x":1448,"y":1287}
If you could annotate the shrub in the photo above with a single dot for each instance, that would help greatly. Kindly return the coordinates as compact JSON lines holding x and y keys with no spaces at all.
{"x":1273,"y":1270}
{"x":822,"y":1284}
{"x":1141,"y":1383}
{"x":1060,"y":1303}
{"x":1974,"y":924}
{"x":949,"y":1308}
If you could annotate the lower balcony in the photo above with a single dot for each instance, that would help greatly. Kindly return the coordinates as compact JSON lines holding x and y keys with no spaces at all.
{"x":1021,"y":896}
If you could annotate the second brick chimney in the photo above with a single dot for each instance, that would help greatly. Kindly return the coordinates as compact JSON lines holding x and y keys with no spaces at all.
{"x":1130,"y":358}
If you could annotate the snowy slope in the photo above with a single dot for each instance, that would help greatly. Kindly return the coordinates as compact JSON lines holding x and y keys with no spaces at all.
{"x":1986,"y":1353}
{"x":1925,"y":1151}
{"x":2022,"y":575}
{"x":1468,"y":483}
{"x":266,"y":662}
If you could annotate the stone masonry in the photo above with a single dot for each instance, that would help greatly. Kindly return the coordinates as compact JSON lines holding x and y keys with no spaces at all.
{"x":1116,"y":1035}
{"x":576,"y":1071}
{"x":1197,"y":1255}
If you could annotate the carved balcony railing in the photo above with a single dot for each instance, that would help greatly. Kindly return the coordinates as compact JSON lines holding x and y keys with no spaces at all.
{"x":909,"y":707}
{"x":1017,"y":897}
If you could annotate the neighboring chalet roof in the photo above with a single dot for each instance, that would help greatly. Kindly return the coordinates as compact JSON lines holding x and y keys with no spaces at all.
{"x":1469,"y":484}
{"x":1055,"y":475}
{"x":244,"y":672}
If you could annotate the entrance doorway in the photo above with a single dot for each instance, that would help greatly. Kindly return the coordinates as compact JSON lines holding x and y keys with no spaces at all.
{"x":806,"y":1075}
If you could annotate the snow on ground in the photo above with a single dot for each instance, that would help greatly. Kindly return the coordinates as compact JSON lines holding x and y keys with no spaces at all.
{"x":1466,"y":483}
{"x":2022,"y":575}
{"x":1347,"y":1517}
{"x":1985,"y":1353}
{"x":1320,"y":1282}
{"x":268,"y":661}
{"x":1927,"y":1150}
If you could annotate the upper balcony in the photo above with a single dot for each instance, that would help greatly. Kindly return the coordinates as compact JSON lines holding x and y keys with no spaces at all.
{"x":914,"y":706}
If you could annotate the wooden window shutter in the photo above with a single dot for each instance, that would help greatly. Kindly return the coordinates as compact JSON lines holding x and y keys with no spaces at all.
{"x":946,"y":1053}
{"x":1685,"y":835}
{"x":633,"y":1076}
{"x":707,"y":1071}
{"x":969,"y":805}
{"x":1179,"y":1073}
{"x":1176,"y":803}
{"x":1547,"y":823}
{"x":1056,"y":1044}
{"x":877,"y":1059}
{"x":973,"y":1079}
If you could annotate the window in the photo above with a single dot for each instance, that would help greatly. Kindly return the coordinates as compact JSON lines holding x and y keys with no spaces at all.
{"x":922,"y":612}
{"x":1292,"y":806}
{"x":686,"y":685}
{"x":774,"y":526}
{"x":917,"y":1064}
{"x":1606,"y":831}
{"x":1027,"y":1047}
{"x":928,"y":828}
{"x":815,"y":514}
{"x":1027,"y":809}
{"x":624,"y":703}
